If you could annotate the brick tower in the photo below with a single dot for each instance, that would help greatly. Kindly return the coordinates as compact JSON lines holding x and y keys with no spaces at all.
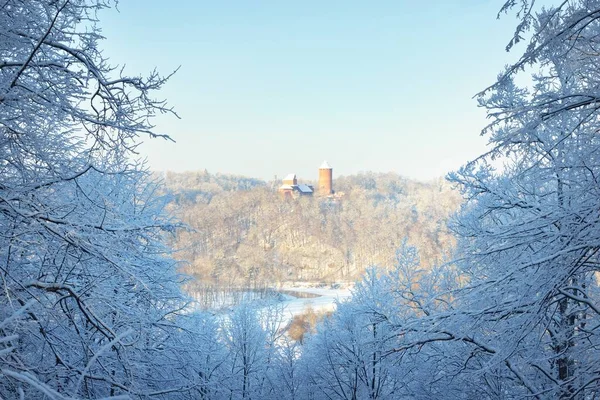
{"x":325,"y":179}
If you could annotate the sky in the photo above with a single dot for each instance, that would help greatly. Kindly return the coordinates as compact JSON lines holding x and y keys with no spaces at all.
{"x":267,"y":88}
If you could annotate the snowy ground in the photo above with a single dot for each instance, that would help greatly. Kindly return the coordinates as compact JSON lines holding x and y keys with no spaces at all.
{"x":296,"y":298}
{"x":324,"y":300}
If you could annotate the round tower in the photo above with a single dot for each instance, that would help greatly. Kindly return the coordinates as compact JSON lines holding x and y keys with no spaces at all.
{"x":325,"y":179}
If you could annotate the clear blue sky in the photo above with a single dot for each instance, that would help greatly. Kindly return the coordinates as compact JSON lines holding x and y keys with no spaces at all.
{"x":272,"y":87}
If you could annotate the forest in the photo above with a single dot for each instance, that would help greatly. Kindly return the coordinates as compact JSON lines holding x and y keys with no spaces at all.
{"x":92,"y":304}
{"x":242,"y":234}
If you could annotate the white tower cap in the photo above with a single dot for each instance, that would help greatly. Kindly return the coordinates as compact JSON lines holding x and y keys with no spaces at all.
{"x":325,"y":165}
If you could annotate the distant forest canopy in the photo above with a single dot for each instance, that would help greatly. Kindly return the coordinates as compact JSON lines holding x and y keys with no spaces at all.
{"x":243,"y":234}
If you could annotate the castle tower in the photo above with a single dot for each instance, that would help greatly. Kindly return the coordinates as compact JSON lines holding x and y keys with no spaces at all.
{"x":325,"y":179}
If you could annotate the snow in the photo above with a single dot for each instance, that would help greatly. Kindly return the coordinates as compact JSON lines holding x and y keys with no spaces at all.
{"x":325,"y":165}
{"x":326,"y":300}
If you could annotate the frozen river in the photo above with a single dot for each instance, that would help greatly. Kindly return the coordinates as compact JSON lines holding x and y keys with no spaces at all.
{"x":295,"y":298}
{"x":298,"y":299}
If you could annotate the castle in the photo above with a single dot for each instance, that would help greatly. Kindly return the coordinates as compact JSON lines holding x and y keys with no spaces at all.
{"x":291,"y":189}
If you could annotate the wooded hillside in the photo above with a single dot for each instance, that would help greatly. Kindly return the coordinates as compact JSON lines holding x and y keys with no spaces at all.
{"x":242,"y":234}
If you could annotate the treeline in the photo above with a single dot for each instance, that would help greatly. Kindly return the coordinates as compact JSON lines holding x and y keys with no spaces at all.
{"x":242,"y":234}
{"x":201,"y":186}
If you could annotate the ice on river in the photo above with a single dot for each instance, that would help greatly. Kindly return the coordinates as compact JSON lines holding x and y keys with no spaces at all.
{"x":323,"y":299}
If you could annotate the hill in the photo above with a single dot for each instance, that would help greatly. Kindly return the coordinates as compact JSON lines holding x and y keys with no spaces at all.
{"x":242,"y":234}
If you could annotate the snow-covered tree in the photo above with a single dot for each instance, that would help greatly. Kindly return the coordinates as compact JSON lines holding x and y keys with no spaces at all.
{"x":90,"y":302}
{"x":373,"y":346}
{"x":250,"y":335}
{"x":530,"y":232}
{"x":347,"y":356}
